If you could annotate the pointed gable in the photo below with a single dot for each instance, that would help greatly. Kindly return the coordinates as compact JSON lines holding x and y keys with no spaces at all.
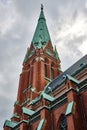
{"x":49,"y":45}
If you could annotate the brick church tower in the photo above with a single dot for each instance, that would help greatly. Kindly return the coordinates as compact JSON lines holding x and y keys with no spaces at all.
{"x":49,"y":99}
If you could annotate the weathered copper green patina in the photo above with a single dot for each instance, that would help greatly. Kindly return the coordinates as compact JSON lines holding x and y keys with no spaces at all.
{"x":41,"y":36}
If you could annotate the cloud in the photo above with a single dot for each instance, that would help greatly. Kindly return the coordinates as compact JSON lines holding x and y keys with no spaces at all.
{"x":83,"y":47}
{"x":70,"y":34}
{"x":8,"y":17}
{"x":67,"y":23}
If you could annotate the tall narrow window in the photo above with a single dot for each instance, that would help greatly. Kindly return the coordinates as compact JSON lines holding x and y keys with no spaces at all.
{"x":29,"y":78}
{"x":63,"y":123}
{"x":45,"y":70}
{"x":52,"y":73}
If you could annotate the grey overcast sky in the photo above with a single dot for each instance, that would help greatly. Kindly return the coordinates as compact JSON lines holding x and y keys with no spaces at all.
{"x":67,"y":25}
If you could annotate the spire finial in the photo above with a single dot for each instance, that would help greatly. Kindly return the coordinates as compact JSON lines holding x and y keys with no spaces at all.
{"x":41,"y":6}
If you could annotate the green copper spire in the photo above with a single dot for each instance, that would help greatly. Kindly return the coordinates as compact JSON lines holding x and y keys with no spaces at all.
{"x":56,"y":53}
{"x":41,"y":36}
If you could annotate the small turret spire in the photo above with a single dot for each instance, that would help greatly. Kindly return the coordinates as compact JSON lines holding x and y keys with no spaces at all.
{"x":56,"y":53}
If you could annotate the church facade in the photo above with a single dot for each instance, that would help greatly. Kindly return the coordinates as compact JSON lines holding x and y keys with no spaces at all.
{"x":49,"y":99}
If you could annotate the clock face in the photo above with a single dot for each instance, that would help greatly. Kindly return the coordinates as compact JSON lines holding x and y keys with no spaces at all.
{"x":49,"y":52}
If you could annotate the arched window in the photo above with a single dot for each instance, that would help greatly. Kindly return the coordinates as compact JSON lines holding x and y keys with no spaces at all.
{"x":63,"y":123}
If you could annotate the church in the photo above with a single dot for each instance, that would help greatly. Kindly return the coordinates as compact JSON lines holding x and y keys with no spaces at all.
{"x":49,"y":99}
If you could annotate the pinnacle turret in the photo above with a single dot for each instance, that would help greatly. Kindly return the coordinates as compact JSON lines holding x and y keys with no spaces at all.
{"x":56,"y":53}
